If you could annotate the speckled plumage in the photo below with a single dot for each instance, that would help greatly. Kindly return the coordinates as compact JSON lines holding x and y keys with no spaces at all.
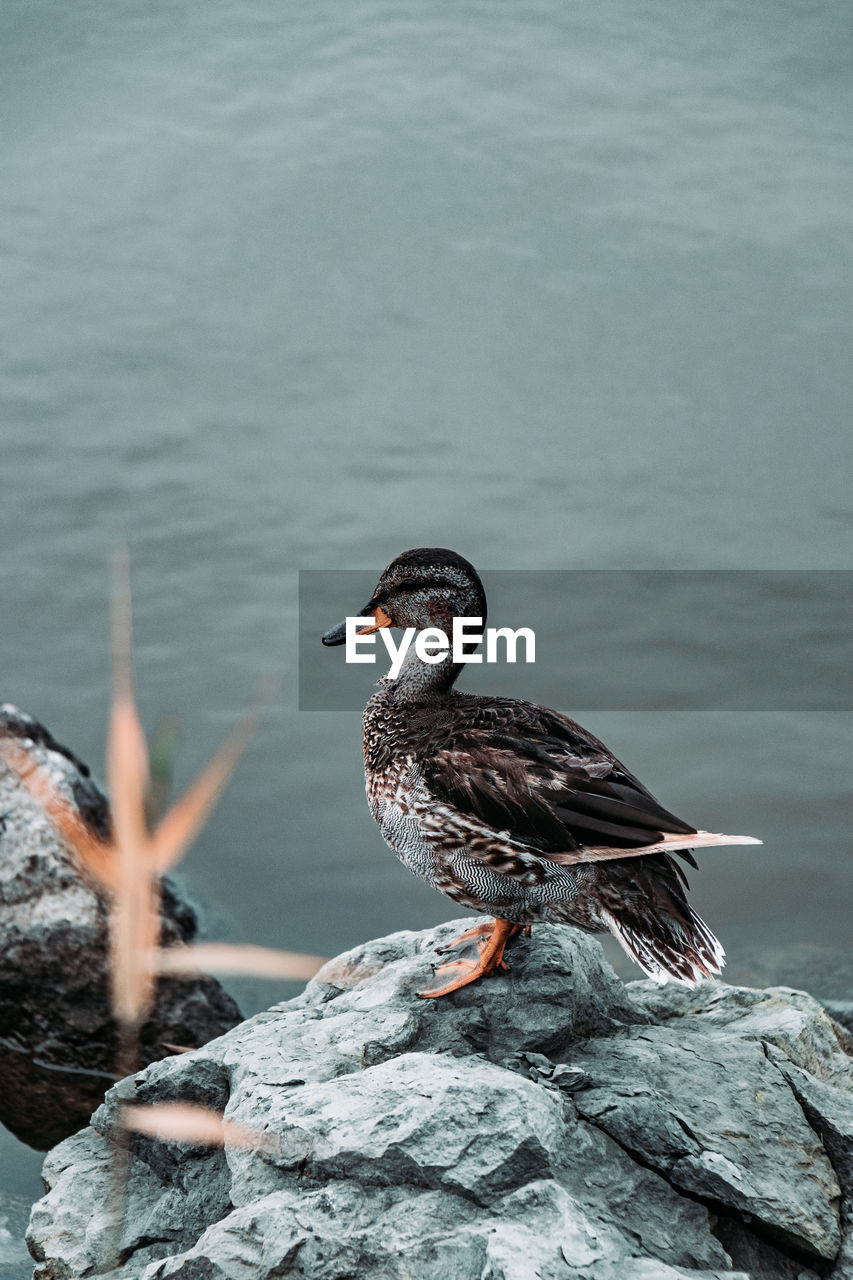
{"x":512,"y":809}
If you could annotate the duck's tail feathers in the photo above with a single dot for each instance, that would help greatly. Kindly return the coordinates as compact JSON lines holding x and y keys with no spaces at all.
{"x":681,"y":947}
{"x":671,"y":843}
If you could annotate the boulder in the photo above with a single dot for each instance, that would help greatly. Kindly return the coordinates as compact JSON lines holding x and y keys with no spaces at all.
{"x":548,"y":1123}
{"x":57,"y":1037}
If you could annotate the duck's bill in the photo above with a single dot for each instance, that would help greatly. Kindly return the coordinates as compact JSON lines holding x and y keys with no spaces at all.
{"x":379,"y":617}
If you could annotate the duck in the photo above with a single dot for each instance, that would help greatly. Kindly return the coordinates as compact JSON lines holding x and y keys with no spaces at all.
{"x":514,"y":810}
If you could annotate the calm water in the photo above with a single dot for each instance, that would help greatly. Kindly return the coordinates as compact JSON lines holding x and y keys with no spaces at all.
{"x":296,"y":286}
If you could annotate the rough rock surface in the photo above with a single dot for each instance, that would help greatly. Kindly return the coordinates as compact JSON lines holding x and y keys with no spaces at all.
{"x":57,"y":1037}
{"x":825,"y":972}
{"x":546,"y":1123}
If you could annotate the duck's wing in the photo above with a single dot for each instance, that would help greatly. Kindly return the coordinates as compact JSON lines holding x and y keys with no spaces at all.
{"x":524,"y":770}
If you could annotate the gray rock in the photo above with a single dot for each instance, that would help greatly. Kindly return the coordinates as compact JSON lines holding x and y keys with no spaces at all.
{"x":829,"y":1110}
{"x":825,"y":972}
{"x":546,"y":1123}
{"x":57,"y":1036}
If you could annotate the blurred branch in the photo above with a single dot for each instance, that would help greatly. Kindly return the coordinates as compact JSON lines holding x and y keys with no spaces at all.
{"x":127,"y":867}
{"x":223,"y":957}
{"x":187,"y":1122}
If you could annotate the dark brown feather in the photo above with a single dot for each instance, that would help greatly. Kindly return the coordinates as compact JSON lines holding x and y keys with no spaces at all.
{"x":539,"y":776}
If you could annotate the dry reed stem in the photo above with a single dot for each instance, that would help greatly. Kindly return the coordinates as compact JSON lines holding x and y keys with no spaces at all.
{"x":127,"y":868}
{"x":223,"y":957}
{"x":180,"y":825}
{"x":95,"y":856}
{"x":188,"y":1122}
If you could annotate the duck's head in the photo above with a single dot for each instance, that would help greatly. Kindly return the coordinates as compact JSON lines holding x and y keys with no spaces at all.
{"x":427,"y":587}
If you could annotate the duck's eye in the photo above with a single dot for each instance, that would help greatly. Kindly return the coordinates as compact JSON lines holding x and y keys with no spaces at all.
{"x":409,"y":584}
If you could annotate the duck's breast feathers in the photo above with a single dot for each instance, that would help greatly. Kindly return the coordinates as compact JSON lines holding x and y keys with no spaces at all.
{"x":526,"y":770}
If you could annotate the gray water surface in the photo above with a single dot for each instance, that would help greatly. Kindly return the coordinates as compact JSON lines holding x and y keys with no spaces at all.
{"x":559,"y":285}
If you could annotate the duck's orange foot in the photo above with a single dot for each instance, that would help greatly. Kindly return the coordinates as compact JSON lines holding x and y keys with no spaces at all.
{"x":483,"y":930}
{"x":492,"y":938}
{"x":478,"y":931}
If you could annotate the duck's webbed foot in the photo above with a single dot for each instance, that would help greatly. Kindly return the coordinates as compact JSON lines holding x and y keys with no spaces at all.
{"x":492,"y":938}
{"x":478,"y":931}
